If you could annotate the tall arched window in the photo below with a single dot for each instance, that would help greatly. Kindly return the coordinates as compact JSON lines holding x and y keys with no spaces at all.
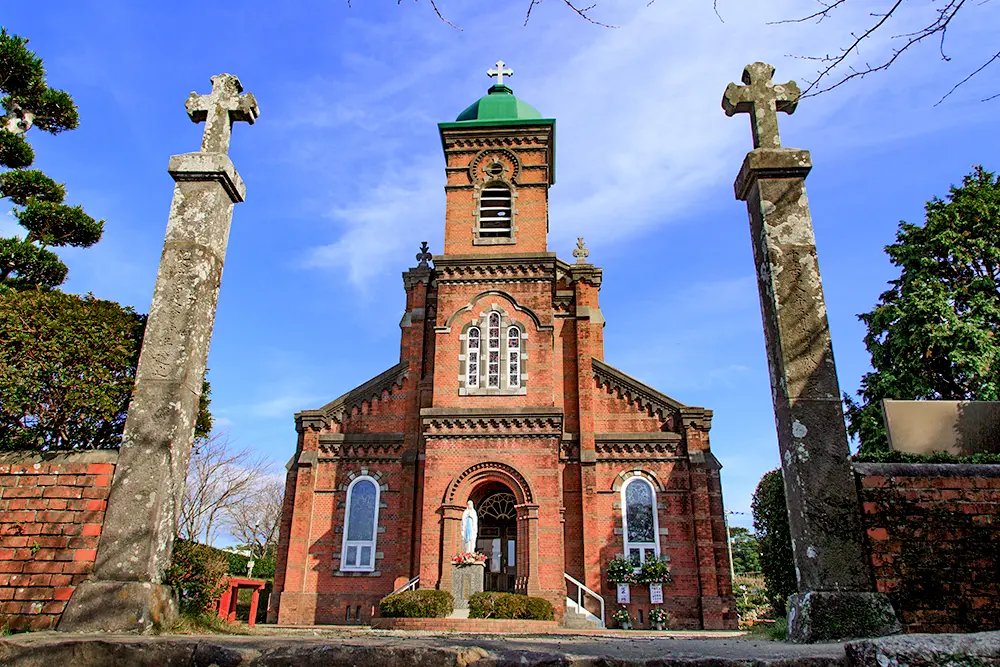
{"x":513,"y":357}
{"x":494,"y":211}
{"x":472,"y":358}
{"x":360,"y":525}
{"x":493,"y":349}
{"x":639,"y":523}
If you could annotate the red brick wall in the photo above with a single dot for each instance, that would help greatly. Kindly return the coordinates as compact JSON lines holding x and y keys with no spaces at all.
{"x":51,"y":512}
{"x":933,"y":534}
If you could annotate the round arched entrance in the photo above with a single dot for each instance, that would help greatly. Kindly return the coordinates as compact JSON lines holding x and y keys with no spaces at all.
{"x":496,"y":505}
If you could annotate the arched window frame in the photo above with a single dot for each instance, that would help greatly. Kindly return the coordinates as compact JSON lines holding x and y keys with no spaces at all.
{"x":513,"y":357}
{"x":495,"y":356}
{"x":485,"y":235}
{"x":358,"y":566}
{"x":468,"y":358}
{"x":473,"y":357}
{"x":642,"y":547}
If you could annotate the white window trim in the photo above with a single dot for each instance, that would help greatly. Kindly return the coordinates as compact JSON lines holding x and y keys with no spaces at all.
{"x":641,"y":546}
{"x":501,"y":357}
{"x":472,"y":379}
{"x":347,"y":527}
{"x":507,"y":357}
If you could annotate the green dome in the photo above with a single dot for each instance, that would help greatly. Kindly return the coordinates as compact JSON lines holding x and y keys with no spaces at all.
{"x":498,"y":105}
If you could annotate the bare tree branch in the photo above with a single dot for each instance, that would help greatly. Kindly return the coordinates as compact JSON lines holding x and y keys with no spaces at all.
{"x":219,"y":477}
{"x":835,"y":63}
{"x":254,"y":520}
{"x":996,"y":56}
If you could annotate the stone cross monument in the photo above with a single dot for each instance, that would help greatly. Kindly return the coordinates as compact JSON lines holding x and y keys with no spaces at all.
{"x":835,"y":598}
{"x":125,"y":591}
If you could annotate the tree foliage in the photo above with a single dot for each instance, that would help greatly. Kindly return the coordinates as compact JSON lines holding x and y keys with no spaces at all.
{"x":746,"y":550}
{"x":770,"y":523}
{"x":199,"y":575}
{"x":932,"y":334}
{"x":67,"y":370}
{"x":27,"y":101}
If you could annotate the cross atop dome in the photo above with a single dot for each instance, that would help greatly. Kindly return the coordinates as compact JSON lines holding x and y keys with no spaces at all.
{"x":500,"y":72}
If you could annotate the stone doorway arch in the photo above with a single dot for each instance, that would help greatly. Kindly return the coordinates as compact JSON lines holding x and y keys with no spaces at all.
{"x":478,"y":483}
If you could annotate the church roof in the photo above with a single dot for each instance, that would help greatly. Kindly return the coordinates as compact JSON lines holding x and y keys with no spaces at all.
{"x":499,"y":104}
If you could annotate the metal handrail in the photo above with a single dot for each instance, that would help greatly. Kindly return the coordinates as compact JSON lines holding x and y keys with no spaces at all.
{"x":580,"y":589}
{"x":411,"y":585}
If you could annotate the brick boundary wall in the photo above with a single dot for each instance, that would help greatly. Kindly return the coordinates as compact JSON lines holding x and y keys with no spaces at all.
{"x":51,"y":513}
{"x":933,"y":537}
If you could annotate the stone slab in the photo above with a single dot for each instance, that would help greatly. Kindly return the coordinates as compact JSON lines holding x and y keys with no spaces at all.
{"x":466,"y":581}
{"x":956,"y":427}
{"x":921,"y":650}
{"x":822,"y":616}
{"x":387,"y":649}
{"x":119,"y":606}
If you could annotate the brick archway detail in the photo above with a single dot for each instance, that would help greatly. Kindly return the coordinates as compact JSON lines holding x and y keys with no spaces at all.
{"x":491,"y":471}
{"x":499,"y":293}
{"x":648,"y":475}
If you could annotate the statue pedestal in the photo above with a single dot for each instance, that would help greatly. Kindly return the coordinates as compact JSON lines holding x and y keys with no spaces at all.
{"x":466,"y":580}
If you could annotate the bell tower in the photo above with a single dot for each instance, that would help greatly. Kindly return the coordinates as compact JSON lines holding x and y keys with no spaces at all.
{"x":499,"y":164}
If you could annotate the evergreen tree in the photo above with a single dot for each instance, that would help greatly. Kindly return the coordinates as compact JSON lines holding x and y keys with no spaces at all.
{"x":27,"y":101}
{"x":932,"y":335}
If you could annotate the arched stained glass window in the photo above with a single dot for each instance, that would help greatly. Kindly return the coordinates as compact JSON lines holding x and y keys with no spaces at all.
{"x":360,"y":525}
{"x":513,"y":357}
{"x":640,"y":526}
{"x":493,"y":349}
{"x":472,"y":358}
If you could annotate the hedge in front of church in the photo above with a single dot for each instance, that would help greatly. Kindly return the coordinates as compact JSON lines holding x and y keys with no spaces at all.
{"x":510,"y":605}
{"x":427,"y":603}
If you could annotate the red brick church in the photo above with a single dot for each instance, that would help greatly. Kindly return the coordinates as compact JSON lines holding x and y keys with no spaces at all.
{"x":501,"y":396}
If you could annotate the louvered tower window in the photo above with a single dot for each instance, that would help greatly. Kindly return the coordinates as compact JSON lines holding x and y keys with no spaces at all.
{"x":495,"y":212}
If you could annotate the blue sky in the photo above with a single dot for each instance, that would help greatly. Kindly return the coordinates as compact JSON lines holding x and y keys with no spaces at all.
{"x":344,"y":176}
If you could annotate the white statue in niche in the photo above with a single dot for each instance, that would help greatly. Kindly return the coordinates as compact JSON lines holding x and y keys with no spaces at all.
{"x":470,"y":528}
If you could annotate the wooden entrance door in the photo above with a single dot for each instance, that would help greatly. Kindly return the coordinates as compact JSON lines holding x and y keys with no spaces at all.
{"x":498,"y":540}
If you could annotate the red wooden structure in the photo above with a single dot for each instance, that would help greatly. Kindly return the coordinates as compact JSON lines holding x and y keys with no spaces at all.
{"x":227,"y":603}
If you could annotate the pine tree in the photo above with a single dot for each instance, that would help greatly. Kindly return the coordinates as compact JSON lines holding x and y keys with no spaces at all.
{"x":933,"y":334}
{"x":26,"y":262}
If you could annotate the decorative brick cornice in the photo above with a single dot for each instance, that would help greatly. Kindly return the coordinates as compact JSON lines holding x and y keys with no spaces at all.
{"x":419,"y":274}
{"x":630,"y":389}
{"x":358,"y":446}
{"x":639,"y":446}
{"x":342,"y":407}
{"x":698,"y":418}
{"x":471,"y":269}
{"x":492,"y":423}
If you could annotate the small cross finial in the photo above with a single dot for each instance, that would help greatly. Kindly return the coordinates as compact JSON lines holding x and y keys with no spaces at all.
{"x":500,"y":72}
{"x":762,"y":99}
{"x":424,"y":255}
{"x":581,"y":253}
{"x":225,"y":105}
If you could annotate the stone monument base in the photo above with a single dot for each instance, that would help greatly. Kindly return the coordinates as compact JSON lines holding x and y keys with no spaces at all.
{"x":119,"y":606}
{"x":466,"y":580}
{"x":821,"y":616}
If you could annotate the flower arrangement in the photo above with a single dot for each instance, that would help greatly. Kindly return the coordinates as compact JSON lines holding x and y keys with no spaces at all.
{"x":655,"y":570}
{"x":622,"y":618}
{"x":658,"y":617}
{"x":467,"y":558}
{"x":622,"y":571}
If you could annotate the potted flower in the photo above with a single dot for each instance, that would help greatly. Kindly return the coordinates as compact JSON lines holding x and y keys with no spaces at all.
{"x":658,"y":618}
{"x":655,"y":570}
{"x":621,"y":571}
{"x":623,"y":619}
{"x":467,"y":558}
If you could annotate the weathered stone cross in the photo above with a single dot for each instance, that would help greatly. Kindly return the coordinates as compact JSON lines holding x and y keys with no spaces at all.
{"x":424,"y":255}
{"x":580,"y":252}
{"x":220,"y":109}
{"x":761,"y":98}
{"x":500,"y":72}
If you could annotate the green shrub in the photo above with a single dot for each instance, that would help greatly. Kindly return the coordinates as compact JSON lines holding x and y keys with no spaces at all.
{"x":510,"y":605}
{"x":426,"y":603}
{"x":770,"y":523}
{"x":198,"y":572}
